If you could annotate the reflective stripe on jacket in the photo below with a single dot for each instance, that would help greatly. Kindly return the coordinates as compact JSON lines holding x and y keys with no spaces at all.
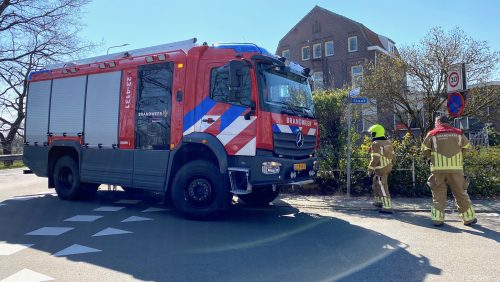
{"x":382,"y":154}
{"x":445,"y":146}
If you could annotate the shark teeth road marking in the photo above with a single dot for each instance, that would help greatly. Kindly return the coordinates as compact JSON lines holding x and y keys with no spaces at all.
{"x":84,"y":218}
{"x":7,"y":249}
{"x":110,"y":231}
{"x":136,"y":218}
{"x":153,"y":209}
{"x":108,"y":209}
{"x":76,"y":249}
{"x":27,"y":275}
{"x":50,"y":231}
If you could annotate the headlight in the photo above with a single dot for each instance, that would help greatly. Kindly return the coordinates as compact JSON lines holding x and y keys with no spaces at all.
{"x":271,"y":167}
{"x":316,"y":165}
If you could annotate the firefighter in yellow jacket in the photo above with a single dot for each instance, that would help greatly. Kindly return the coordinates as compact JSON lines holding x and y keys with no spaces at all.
{"x":382,"y":156}
{"x":445,"y":147}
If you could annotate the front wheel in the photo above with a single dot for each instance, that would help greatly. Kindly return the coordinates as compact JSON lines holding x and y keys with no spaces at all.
{"x":199,"y":190}
{"x":260,"y":196}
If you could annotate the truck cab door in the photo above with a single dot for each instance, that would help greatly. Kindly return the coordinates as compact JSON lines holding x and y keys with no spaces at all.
{"x":228,"y":116}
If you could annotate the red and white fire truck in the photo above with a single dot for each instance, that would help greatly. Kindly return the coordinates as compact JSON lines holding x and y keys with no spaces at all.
{"x":199,"y":123}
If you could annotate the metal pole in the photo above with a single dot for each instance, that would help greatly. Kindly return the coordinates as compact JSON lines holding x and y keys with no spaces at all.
{"x":413,"y":171}
{"x":349,"y":149}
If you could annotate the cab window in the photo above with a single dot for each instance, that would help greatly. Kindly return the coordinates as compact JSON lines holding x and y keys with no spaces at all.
{"x":220,"y":90}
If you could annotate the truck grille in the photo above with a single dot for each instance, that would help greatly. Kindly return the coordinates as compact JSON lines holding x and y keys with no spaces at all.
{"x":284,"y":144}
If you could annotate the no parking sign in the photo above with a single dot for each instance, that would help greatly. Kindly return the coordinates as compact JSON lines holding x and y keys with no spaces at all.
{"x":455,"y":104}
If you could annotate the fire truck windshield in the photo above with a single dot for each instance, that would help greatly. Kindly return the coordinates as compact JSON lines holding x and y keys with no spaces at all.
{"x":289,"y":92}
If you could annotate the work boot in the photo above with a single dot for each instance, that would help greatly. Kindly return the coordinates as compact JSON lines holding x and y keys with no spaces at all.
{"x":474,"y":221}
{"x":438,"y":223}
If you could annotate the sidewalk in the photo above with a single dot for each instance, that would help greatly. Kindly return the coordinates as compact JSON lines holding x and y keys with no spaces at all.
{"x":365,"y":203}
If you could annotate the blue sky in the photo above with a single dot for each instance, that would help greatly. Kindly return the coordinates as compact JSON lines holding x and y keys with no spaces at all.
{"x":148,"y":22}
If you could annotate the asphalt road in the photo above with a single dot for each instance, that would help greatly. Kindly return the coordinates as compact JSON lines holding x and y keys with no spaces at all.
{"x":118,"y":237}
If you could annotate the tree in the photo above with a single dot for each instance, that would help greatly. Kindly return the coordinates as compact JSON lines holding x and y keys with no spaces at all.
{"x":413,"y":83}
{"x":33,"y":34}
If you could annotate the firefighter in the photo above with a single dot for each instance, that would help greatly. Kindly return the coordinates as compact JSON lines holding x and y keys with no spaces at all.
{"x":445,"y":148}
{"x":382,"y":156}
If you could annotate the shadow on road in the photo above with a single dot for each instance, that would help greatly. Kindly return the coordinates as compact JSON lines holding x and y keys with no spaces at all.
{"x":267,"y":244}
{"x":425,"y":221}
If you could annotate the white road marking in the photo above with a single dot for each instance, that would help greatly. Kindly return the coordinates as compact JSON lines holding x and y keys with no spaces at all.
{"x":24,"y":198}
{"x":127,"y":201}
{"x":108,"y":209}
{"x":110,"y":231}
{"x":84,"y":218}
{"x":136,"y":218}
{"x":153,"y":209}
{"x":7,"y":249}
{"x":76,"y":249}
{"x":50,"y":231}
{"x":27,"y":275}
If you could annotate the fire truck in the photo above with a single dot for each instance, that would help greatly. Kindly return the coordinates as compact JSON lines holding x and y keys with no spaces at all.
{"x":198,"y":123}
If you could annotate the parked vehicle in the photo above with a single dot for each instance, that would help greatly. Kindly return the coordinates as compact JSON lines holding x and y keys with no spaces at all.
{"x":197,"y":122}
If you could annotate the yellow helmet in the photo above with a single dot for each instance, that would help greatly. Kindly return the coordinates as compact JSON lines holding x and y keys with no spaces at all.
{"x":377,"y":130}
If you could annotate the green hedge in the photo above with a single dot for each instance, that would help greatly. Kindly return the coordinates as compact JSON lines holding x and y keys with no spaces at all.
{"x":481,"y":164}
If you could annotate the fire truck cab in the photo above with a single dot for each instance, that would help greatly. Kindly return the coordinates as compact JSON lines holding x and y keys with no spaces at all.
{"x":198,"y":123}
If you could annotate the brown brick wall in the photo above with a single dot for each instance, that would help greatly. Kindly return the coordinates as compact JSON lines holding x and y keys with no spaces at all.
{"x":320,"y":26}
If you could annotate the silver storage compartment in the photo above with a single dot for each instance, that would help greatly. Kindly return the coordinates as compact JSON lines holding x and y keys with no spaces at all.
{"x":37,"y":112}
{"x":67,"y":104}
{"x":101,"y":110}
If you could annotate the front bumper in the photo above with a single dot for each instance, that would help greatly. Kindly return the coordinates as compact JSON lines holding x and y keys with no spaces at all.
{"x":287,"y":174}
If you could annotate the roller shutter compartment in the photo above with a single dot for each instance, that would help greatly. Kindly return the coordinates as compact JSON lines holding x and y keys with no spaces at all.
{"x":67,"y":105}
{"x":37,"y":113}
{"x":101,"y":110}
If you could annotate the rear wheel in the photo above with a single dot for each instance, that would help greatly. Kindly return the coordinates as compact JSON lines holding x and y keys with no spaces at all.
{"x":260,"y":196}
{"x":199,"y":190}
{"x":67,"y":181}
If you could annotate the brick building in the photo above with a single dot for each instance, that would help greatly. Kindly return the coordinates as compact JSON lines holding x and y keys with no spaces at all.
{"x":333,"y":47}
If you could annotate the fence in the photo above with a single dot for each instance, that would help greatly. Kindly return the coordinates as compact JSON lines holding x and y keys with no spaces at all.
{"x":364,"y":169}
{"x":10,"y":158}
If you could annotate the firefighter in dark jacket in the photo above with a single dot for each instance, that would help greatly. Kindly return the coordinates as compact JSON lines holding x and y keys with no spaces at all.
{"x":445,"y":147}
{"x":382,"y":156}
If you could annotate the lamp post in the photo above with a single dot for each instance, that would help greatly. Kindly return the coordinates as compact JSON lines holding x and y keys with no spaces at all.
{"x":123,"y":45}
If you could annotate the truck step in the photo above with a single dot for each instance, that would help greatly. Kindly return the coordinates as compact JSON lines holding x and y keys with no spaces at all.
{"x":239,"y":179}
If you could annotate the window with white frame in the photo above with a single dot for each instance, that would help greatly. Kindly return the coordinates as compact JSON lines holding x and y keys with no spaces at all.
{"x":317,"y":78}
{"x":306,"y":53}
{"x":317,"y":51}
{"x":353,"y":43}
{"x":285,"y":54}
{"x":329,"y":48}
{"x":390,"y":47}
{"x":356,"y":75}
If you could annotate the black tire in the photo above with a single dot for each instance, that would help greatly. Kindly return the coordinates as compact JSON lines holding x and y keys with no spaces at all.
{"x":67,"y":181}
{"x":199,"y":190}
{"x":260,"y":196}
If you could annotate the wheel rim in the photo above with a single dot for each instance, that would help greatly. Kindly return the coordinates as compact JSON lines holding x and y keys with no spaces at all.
{"x":66,"y":178}
{"x":199,"y":192}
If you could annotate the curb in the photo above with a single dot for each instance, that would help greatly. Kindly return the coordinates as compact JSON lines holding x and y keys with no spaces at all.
{"x":344,"y":208}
